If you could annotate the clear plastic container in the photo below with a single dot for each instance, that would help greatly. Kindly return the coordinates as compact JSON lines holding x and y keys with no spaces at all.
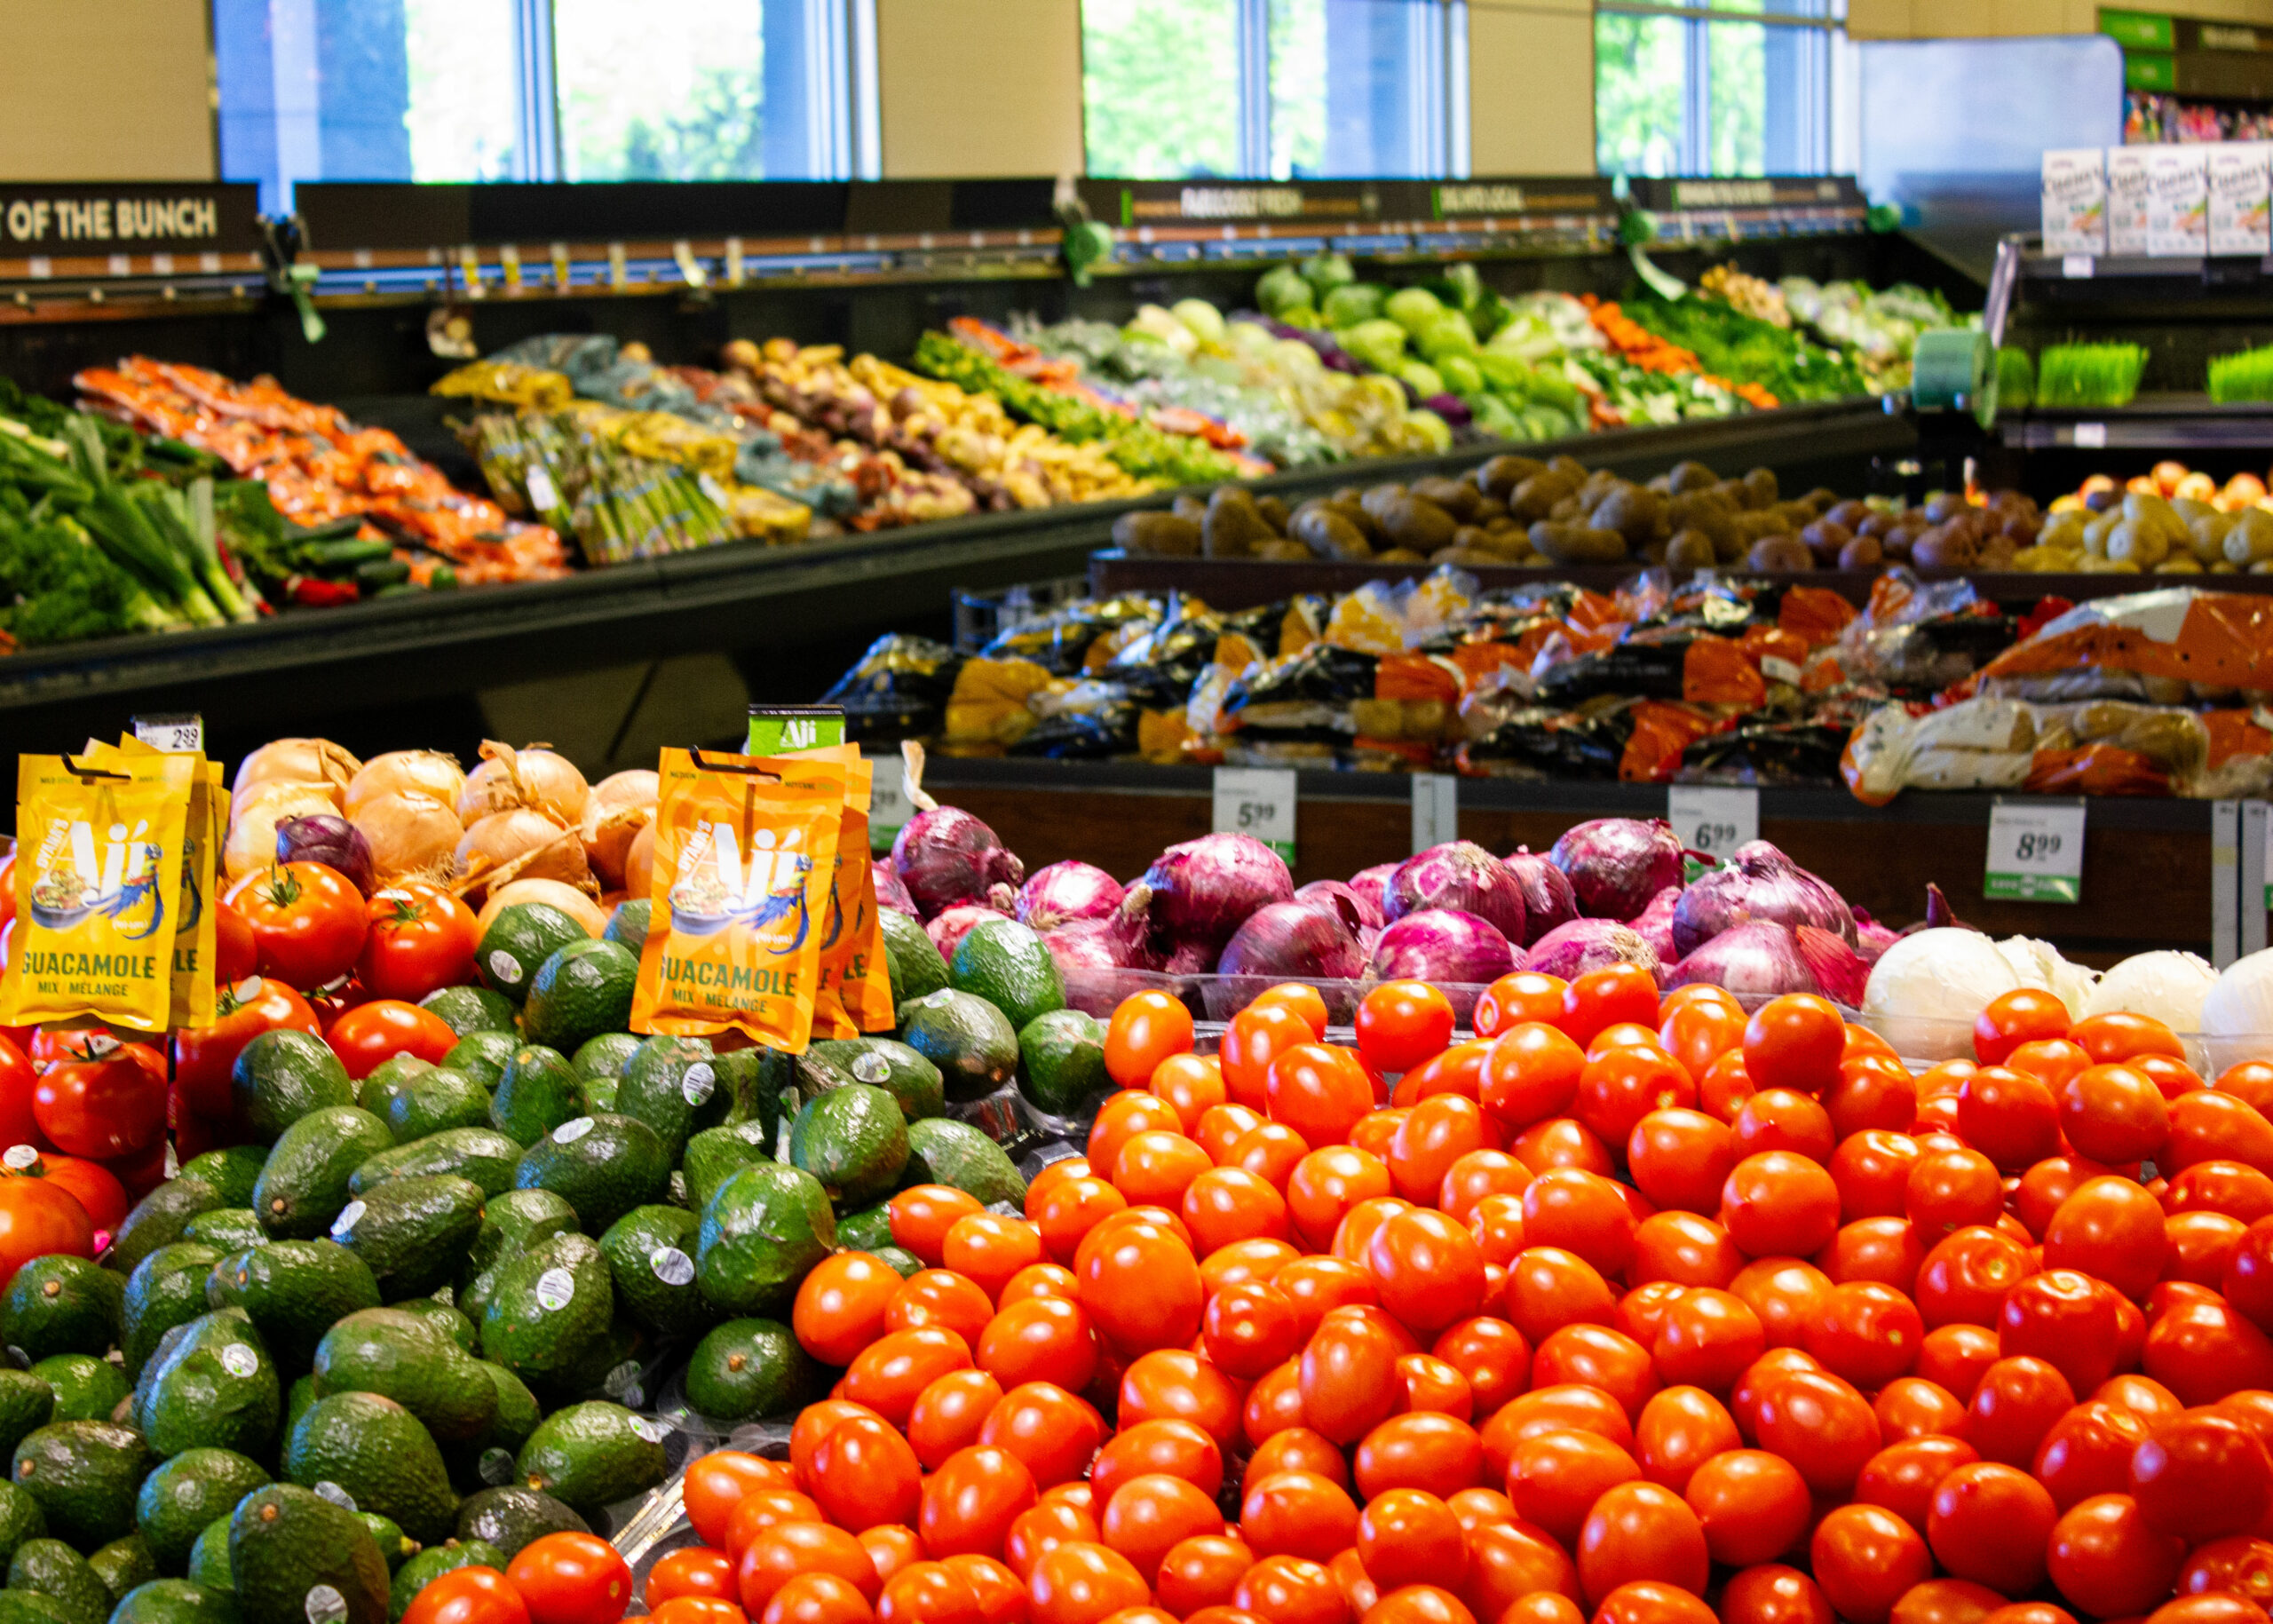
{"x":1218,"y":998}
{"x":1924,"y":1041}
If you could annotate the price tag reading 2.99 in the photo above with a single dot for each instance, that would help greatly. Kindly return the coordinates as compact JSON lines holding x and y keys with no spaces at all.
{"x":1257,"y":801}
{"x":1713,"y":822}
{"x":2035,"y":853}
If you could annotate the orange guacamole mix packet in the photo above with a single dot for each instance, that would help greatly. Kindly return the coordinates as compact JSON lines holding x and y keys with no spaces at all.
{"x":855,"y":992}
{"x":196,"y":924}
{"x":99,"y":859}
{"x":745,"y":854}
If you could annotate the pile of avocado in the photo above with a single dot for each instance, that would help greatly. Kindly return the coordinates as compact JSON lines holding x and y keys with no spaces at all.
{"x":400,"y":1334}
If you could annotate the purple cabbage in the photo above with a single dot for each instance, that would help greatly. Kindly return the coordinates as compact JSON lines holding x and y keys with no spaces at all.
{"x":1310,"y":941}
{"x":1549,"y":900}
{"x":1571,"y":950}
{"x":1759,"y":958}
{"x":1445,"y":946}
{"x":1203,"y":890}
{"x":1065,"y":892}
{"x":1452,"y":408}
{"x":946,"y":856}
{"x":1459,"y":875}
{"x":889,"y":892}
{"x":1616,"y":865}
{"x":1758,"y":882}
{"x":330,"y":839}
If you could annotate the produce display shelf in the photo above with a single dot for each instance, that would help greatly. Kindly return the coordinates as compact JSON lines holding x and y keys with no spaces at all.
{"x":740,"y":595}
{"x":2152,"y":423}
{"x":2147,"y":877}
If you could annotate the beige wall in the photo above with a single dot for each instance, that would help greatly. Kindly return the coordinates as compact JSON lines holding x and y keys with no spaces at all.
{"x":116,"y":90}
{"x":1947,"y":19}
{"x":1530,"y":89}
{"x":980,"y":87}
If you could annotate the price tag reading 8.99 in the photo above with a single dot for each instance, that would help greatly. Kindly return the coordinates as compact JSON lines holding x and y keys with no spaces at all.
{"x":1713,"y":822}
{"x":1257,"y":801}
{"x":2035,"y":853}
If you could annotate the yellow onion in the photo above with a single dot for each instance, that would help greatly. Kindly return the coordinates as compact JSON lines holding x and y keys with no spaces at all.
{"x":409,"y":834}
{"x":427,"y":772}
{"x":520,"y":844}
{"x":620,"y":807}
{"x":639,"y":865}
{"x":253,"y":818}
{"x":302,"y":761}
{"x":535,"y":777}
{"x":567,"y":899}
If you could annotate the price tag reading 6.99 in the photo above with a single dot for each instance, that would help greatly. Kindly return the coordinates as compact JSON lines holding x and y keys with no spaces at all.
{"x":1713,"y":822}
{"x":1257,"y":801}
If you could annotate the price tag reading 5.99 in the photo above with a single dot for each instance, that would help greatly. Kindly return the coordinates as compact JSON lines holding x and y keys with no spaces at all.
{"x":1257,"y":801}
{"x":1713,"y":822}
{"x":2035,"y":853}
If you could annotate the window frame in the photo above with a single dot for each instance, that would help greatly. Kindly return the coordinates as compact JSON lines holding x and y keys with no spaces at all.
{"x":1822,"y":31}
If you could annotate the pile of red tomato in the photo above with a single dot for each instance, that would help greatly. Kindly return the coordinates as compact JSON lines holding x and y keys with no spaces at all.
{"x":1632,"y":1309}
{"x":298,"y":946}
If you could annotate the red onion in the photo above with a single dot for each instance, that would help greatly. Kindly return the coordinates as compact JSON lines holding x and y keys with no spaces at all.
{"x":1459,"y":875}
{"x":1065,"y":892}
{"x":1616,"y":865}
{"x":947,"y":930}
{"x":1373,"y":883}
{"x":330,"y":839}
{"x":1443,"y":946}
{"x":946,"y":856}
{"x":1841,"y":973}
{"x":1368,"y":903}
{"x":889,"y":892}
{"x":1549,"y":900}
{"x":1654,"y":924}
{"x":1119,"y":941}
{"x":1939,"y":914}
{"x":1310,"y":941}
{"x":1871,"y":937}
{"x":1759,"y":957}
{"x":1204,"y":890}
{"x":1758,"y":882}
{"x":1571,"y":950}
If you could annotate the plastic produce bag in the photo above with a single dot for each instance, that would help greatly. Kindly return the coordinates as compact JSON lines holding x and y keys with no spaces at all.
{"x":2166,"y":645}
{"x":899,"y":689}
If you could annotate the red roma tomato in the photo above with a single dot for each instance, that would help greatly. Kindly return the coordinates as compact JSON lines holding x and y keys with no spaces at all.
{"x":1400,"y":1024}
{"x":1606,"y":997}
{"x":2017,"y":1017}
{"x":714,"y":1485}
{"x":468,"y":1596}
{"x":91,"y":1184}
{"x":1145,"y":1029}
{"x":2108,"y":1039}
{"x":245,"y":1009}
{"x":421,"y":938}
{"x":571,"y":1578}
{"x":1304,"y":1001}
{"x":693,"y":1571}
{"x":1256,"y":1037}
{"x":235,"y":954}
{"x":1794,"y":1041}
{"x":308,"y":921}
{"x":1532,"y":1074}
{"x":17,"y":1123}
{"x":1522,"y":996}
{"x":372,"y":1032}
{"x":111,"y":1102}
{"x":37,"y":1218}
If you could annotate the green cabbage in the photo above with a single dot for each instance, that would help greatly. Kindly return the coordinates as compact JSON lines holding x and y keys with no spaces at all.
{"x":1346,"y":306}
{"x":1326,"y":271}
{"x":1411,"y":308}
{"x":1459,"y":374}
{"x":1448,"y":334}
{"x":1459,"y":286}
{"x":1202,"y":320}
{"x":1378,"y":343}
{"x":1436,"y":433}
{"x":1421,"y":378}
{"x":1280,"y":290}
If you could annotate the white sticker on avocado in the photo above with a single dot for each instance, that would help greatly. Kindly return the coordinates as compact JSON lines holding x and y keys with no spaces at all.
{"x":325,"y":1605}
{"x":870,"y":1067}
{"x":654,"y":1432}
{"x":622,"y":1380}
{"x":240,"y":1361}
{"x":344,"y":1224}
{"x":19,"y":1156}
{"x":569,"y":1132}
{"x":504,"y":966}
{"x":672,"y":1266}
{"x":329,"y":1490}
{"x":496,"y":1467}
{"x":172,"y":1162}
{"x":700,"y":1082}
{"x":556,"y":1289}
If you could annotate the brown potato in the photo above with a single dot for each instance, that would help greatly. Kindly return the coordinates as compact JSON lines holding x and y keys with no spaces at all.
{"x":1848,"y":515}
{"x":1414,"y":521}
{"x":1779,"y":554}
{"x":1684,"y":478}
{"x":1232,"y":527}
{"x":1279,"y":550}
{"x":1189,"y":506}
{"x":1564,"y":543}
{"x":1157,"y":534}
{"x":1760,"y":486}
{"x":1691,"y":549}
{"x":1378,"y":497}
{"x":1570,"y":467}
{"x":1457,"y":497}
{"x":1943,"y":547}
{"x":1327,"y":532}
{"x":1825,"y":540}
{"x":1634,"y":512}
{"x":1498,"y":476}
{"x":1863,"y":552}
{"x":1273,"y":509}
{"x":1536,"y":496}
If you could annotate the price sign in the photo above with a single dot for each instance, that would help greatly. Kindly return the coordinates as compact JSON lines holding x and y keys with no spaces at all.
{"x":1257,"y":801}
{"x":182,"y":731}
{"x":1713,"y":822}
{"x":1435,"y":810}
{"x":888,"y":807}
{"x":2035,"y":853}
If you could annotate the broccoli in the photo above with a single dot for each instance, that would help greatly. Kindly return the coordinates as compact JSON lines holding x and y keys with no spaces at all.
{"x":56,"y":586}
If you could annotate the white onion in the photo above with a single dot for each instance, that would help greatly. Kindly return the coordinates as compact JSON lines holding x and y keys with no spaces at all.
{"x":409,"y":834}
{"x":2038,"y":964}
{"x":427,"y":772}
{"x":535,"y":777}
{"x":253,"y":818}
{"x":305,"y":761}
{"x":567,"y":899}
{"x":1925,"y":990}
{"x":618,"y":807}
{"x":2170,"y":987}
{"x":2242,"y":1001}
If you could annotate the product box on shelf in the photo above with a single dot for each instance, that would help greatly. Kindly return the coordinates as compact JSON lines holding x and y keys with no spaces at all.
{"x":2075,"y":201}
{"x":2241,"y":197}
{"x":2178,"y":201}
{"x":2126,"y":199}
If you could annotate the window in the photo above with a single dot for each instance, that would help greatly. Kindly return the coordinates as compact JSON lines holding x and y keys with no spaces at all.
{"x":1277,"y":88}
{"x":542,"y":89}
{"x":1731,"y":87}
